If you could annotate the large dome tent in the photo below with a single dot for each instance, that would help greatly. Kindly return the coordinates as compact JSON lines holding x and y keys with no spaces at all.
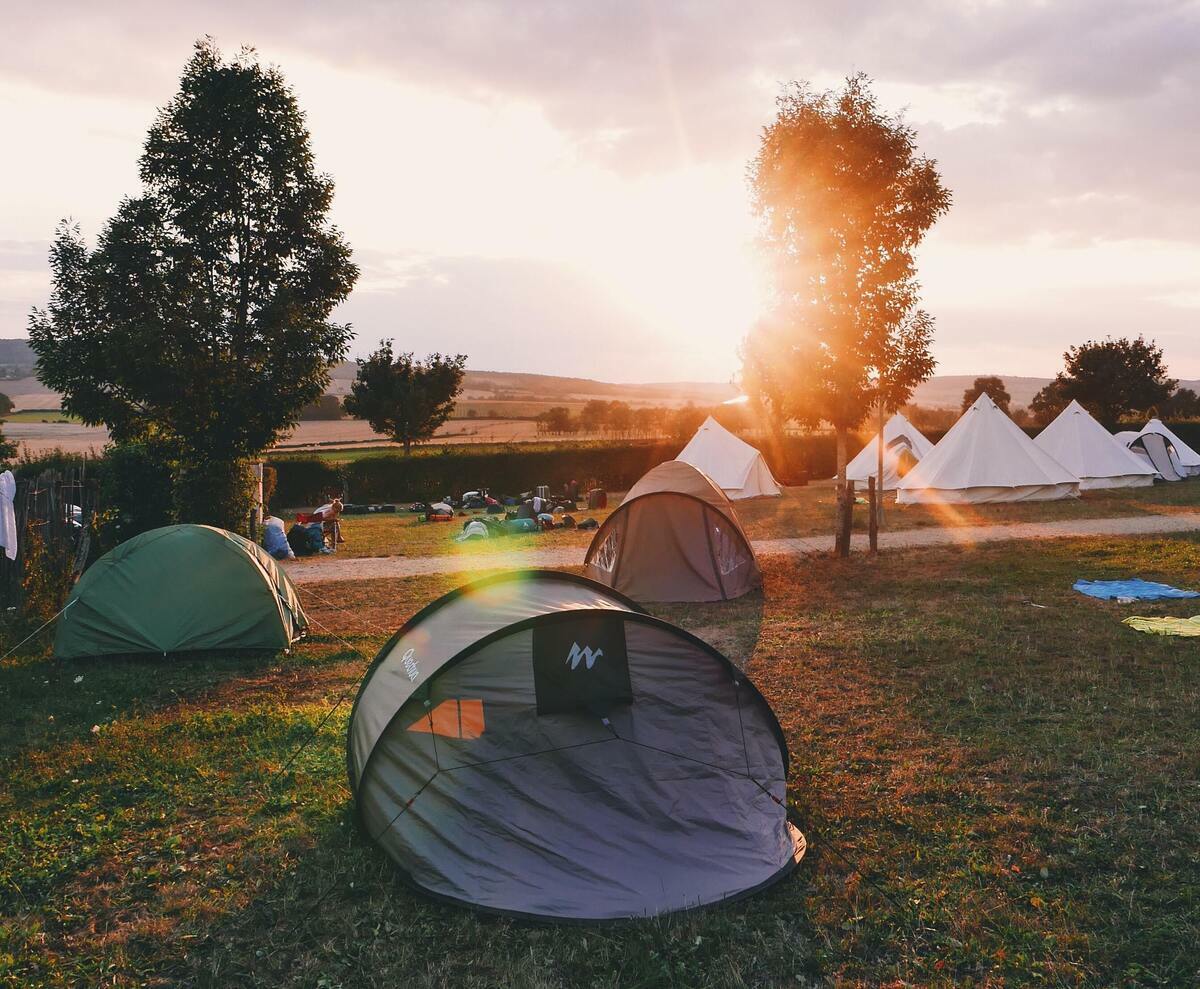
{"x":675,"y":537}
{"x":1091,"y":452}
{"x":737,"y":468}
{"x":1155,"y":450}
{"x":534,"y":744}
{"x":180,"y":588}
{"x":902,"y":442}
{"x":1186,"y":458}
{"x":985,"y":457}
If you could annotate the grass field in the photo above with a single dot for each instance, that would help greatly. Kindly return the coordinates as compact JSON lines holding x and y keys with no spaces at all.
{"x":807,"y":511}
{"x":1010,"y":770}
{"x":52,"y":416}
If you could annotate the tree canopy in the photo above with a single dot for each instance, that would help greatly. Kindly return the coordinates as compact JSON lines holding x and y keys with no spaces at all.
{"x":402,"y":397}
{"x":1112,"y":378}
{"x":993,"y":386}
{"x":202,"y":317}
{"x":1184,"y":404}
{"x":844,"y":198}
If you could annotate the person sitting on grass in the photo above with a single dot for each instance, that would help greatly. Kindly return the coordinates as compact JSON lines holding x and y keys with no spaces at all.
{"x":329,"y":515}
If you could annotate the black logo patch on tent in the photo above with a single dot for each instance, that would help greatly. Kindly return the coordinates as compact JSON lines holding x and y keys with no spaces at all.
{"x":581,"y":665}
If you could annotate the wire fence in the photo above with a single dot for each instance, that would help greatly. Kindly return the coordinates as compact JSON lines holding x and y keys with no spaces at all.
{"x":54,"y":512}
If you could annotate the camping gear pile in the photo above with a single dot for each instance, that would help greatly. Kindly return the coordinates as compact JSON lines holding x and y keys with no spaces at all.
{"x":535,"y":744}
{"x":536,"y":510}
{"x":318,"y":531}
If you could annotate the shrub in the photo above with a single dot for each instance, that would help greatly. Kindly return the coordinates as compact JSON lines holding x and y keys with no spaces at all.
{"x":136,"y":490}
{"x":31,"y":465}
{"x":303,"y":481}
{"x":219,"y":494}
{"x":47,"y":575}
{"x":270,"y":479}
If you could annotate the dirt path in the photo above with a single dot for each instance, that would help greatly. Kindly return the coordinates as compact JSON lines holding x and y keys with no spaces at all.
{"x":363,"y":568}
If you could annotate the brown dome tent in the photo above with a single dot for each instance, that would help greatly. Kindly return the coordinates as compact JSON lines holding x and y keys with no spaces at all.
{"x":535,"y":744}
{"x":675,"y":537}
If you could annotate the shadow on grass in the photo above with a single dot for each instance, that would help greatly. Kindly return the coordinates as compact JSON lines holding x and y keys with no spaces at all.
{"x":339,"y":915}
{"x":49,"y":701}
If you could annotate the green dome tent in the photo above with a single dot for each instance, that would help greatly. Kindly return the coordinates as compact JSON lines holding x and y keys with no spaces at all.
{"x":177,"y":589}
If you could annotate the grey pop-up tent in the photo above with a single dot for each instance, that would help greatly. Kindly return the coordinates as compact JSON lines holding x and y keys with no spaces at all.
{"x":676,"y":537}
{"x":535,"y":744}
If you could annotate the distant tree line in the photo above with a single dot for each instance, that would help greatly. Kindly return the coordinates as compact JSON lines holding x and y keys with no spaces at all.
{"x":1117,"y":380}
{"x":619,"y":419}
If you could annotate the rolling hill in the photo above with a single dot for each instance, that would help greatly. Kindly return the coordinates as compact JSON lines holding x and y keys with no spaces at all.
{"x":940,"y":391}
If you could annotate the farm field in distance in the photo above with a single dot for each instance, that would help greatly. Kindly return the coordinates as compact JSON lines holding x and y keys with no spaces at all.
{"x":993,"y":793}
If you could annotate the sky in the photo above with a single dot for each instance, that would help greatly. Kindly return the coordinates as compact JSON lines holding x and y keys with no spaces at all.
{"x":560,"y":187}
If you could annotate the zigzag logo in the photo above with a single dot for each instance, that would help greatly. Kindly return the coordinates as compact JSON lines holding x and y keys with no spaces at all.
{"x":586,"y":655}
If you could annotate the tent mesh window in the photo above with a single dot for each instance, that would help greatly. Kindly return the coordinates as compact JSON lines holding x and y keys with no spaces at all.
{"x":606,"y":554}
{"x":727,"y":548}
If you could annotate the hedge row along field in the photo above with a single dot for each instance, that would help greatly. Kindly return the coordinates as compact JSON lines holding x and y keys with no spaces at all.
{"x":615,"y":466}
{"x":437,"y":471}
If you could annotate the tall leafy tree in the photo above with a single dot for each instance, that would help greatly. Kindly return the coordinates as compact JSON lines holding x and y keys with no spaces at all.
{"x":1048,"y":403}
{"x":405,"y":398}
{"x":202,"y":318}
{"x":993,"y":387}
{"x":1112,"y":378}
{"x":844,"y":198}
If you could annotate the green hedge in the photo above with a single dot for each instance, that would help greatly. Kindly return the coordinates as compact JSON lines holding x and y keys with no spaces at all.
{"x":304,"y":481}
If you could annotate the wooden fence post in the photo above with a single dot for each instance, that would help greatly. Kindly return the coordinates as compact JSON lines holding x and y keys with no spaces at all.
{"x":846,"y":521}
{"x":873,"y":523}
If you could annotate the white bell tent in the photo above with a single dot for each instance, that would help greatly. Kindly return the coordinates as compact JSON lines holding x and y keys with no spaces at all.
{"x":737,"y":467}
{"x":985,"y":457}
{"x":901,"y":440}
{"x":1091,"y":452}
{"x":1187,"y":458}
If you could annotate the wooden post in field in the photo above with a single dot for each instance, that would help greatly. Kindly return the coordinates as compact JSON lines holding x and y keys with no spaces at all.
{"x":873,"y":495}
{"x":877,"y":510}
{"x":845,"y":520}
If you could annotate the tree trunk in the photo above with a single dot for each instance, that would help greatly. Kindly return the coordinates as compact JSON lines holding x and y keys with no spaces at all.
{"x":841,"y":433}
{"x":878,"y":511}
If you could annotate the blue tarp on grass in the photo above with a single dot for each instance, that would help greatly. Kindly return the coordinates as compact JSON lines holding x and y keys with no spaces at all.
{"x":1138,"y":590}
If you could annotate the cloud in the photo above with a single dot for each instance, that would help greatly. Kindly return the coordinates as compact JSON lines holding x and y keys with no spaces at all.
{"x":1058,"y":125}
{"x":510,"y":315}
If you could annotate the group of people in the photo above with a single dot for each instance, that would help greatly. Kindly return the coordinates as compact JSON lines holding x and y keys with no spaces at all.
{"x":319,"y":531}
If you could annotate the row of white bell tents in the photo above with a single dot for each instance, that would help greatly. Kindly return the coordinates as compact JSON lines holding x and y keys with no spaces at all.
{"x":737,"y":468}
{"x":986,"y":457}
